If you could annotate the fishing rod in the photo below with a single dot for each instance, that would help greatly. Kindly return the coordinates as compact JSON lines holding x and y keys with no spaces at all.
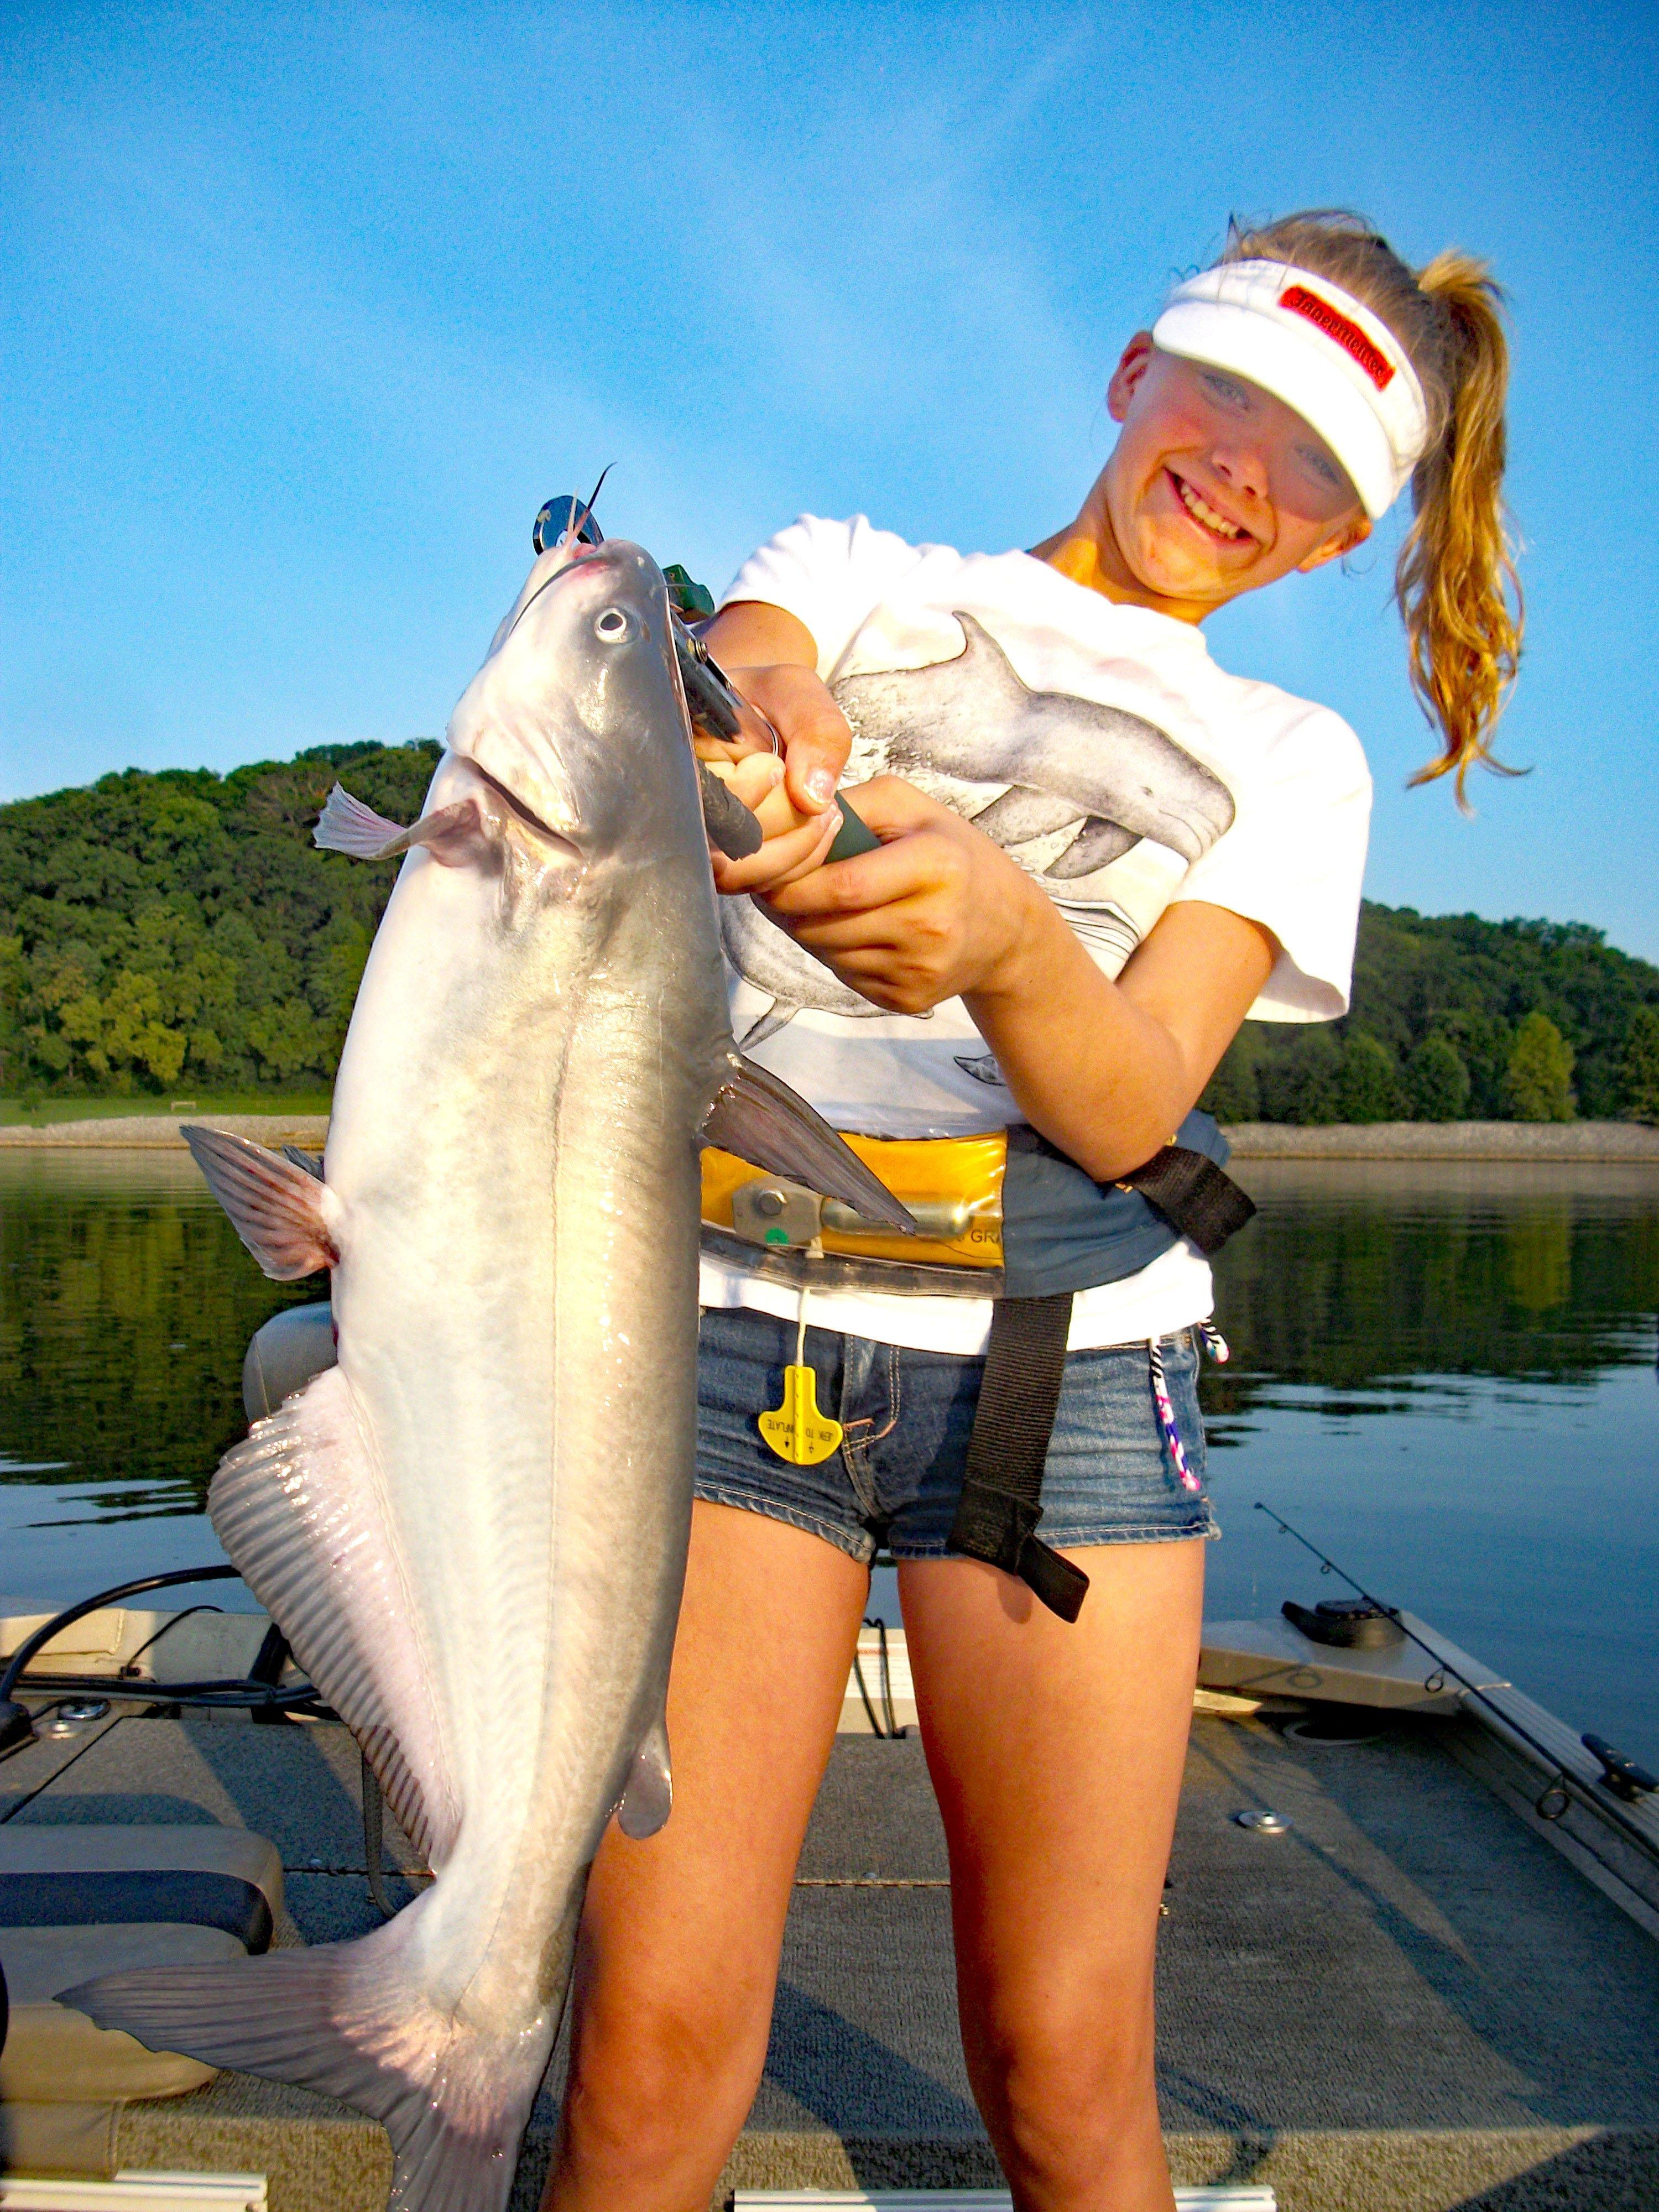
{"x":1623,"y":1778}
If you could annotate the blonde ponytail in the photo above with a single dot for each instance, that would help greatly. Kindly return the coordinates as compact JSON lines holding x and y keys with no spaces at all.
{"x":1455,"y":583}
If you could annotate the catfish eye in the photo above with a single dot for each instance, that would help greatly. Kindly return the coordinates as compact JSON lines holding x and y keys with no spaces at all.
{"x":611,"y":626}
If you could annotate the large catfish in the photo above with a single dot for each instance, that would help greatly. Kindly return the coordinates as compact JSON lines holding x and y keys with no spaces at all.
{"x":472,"y":1530}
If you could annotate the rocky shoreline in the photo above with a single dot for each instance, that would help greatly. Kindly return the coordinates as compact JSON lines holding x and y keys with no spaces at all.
{"x":160,"y":1131}
{"x":1447,"y":1141}
{"x":1251,"y":1140}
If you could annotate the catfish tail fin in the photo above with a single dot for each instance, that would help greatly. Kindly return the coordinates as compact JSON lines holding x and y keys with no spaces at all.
{"x":353,"y":2020}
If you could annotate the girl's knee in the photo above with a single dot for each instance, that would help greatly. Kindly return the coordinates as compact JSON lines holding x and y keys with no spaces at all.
{"x":669,"y":2085}
{"x":1072,"y":2098}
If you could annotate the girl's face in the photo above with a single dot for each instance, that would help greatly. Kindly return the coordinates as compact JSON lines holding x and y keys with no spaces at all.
{"x":1215,"y":488}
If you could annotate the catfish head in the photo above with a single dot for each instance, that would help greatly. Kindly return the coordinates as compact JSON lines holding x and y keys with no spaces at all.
{"x":577,"y":716}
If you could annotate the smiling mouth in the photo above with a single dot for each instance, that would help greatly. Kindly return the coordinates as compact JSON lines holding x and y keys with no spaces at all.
{"x":1230,"y":533}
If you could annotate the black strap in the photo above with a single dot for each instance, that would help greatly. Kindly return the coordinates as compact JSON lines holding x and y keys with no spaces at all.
{"x":1192,"y":1192}
{"x":1002,"y":1488}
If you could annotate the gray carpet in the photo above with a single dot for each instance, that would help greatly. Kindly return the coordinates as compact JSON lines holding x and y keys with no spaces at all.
{"x":1406,"y":2001}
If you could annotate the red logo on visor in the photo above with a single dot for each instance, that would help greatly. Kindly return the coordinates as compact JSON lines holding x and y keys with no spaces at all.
{"x":1349,"y":335}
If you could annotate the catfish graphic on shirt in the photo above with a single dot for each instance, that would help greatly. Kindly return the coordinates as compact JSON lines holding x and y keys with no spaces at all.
{"x":1101,"y":806}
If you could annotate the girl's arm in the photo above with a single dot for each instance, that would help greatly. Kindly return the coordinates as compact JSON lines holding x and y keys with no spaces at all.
{"x":1107,"y":1070}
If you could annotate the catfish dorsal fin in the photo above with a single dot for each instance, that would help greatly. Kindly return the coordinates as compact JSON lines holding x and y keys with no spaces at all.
{"x":757,"y":1115}
{"x":285,"y":1215}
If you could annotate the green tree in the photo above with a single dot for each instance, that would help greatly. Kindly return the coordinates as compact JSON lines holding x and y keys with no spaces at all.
{"x":1368,"y":1083}
{"x":1438,"y":1081}
{"x":1233,"y":1092}
{"x":1303,"y":1081}
{"x":1640,"y":1067}
{"x":156,"y":928}
{"x":1538,"y":1082}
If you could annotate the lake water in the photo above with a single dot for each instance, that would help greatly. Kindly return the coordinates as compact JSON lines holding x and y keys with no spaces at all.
{"x":1443,"y":1375}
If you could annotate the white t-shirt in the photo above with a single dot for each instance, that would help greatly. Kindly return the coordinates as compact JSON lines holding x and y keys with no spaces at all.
{"x":1102,"y":747}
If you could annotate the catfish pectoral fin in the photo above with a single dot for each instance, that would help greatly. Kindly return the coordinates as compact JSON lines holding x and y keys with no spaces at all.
{"x":757,"y":1115}
{"x":281,"y":1213}
{"x":346,"y":825}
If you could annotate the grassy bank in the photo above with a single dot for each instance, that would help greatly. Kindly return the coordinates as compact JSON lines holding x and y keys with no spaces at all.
{"x":46,"y":1113}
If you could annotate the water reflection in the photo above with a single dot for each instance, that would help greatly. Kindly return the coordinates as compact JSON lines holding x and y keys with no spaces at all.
{"x":1438,"y":1372}
{"x":1444,"y":1375}
{"x":125,"y":1305}
{"x":1359,"y":1272}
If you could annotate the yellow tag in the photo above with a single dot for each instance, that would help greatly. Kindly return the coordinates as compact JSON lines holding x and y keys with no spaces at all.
{"x":797,"y":1431}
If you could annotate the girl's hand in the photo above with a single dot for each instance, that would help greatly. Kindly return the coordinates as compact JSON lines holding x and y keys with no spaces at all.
{"x":939,"y":911}
{"x":793,"y":797}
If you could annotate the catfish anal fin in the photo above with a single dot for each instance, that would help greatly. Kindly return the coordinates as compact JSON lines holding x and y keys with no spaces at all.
{"x":298,"y":1509}
{"x":757,"y":1115}
{"x":283,"y":1213}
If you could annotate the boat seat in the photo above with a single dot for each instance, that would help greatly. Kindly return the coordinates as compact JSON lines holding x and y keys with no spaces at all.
{"x":54,"y":2055}
{"x":293,"y":1346}
{"x":78,"y":1902}
{"x":80,"y":1876}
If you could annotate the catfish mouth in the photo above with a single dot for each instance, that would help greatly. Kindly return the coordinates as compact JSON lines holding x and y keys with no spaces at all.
{"x":572,"y":559}
{"x":515,"y":805}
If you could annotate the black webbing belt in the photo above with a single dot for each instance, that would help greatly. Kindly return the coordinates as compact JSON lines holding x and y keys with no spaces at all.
{"x":1025,"y":1362}
{"x":1192,"y":1191}
{"x":1002,"y":1489}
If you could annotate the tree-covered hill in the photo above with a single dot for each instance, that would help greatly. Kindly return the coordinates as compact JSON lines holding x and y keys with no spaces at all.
{"x":1455,"y":1019}
{"x":180,"y":931}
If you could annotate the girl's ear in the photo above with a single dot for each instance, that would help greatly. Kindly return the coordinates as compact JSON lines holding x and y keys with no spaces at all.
{"x":1127,"y":376}
{"x":1353,"y":534}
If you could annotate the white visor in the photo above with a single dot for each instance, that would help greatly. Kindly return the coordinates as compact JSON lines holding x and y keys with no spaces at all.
{"x":1320,"y":350}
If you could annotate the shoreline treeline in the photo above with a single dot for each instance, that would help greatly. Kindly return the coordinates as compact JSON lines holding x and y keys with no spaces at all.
{"x":180,"y":930}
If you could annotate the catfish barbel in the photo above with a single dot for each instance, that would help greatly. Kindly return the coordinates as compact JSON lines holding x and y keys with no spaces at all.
{"x":472,"y":1531}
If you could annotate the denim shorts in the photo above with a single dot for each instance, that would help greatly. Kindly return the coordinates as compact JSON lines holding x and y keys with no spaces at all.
{"x":896,"y":1478}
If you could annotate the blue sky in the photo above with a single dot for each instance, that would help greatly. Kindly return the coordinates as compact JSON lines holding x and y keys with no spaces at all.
{"x":308,"y":309}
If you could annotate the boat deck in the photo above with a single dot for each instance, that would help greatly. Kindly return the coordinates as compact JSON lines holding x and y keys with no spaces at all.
{"x":1407,"y":2000}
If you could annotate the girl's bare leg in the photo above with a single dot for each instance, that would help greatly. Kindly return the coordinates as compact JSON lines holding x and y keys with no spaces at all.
{"x":1056,"y":1751}
{"x":678,"y":1958}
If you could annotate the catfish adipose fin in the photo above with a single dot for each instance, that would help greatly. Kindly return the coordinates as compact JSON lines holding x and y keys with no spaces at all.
{"x":284,"y":1213}
{"x":649,"y":1797}
{"x":757,"y":1115}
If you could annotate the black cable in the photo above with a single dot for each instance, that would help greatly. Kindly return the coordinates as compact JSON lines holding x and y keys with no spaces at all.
{"x":172,"y":1622}
{"x":25,"y":1651}
{"x":220,"y":1691}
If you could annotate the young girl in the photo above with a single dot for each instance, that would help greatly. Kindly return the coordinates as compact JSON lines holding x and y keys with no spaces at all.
{"x":1099,"y":853}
